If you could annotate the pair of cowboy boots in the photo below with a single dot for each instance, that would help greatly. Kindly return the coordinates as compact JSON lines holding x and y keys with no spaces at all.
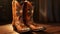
{"x":23,"y":18}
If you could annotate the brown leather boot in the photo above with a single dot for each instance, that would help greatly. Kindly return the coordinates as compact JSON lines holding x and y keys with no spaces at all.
{"x":28,"y":10}
{"x":17,"y":23}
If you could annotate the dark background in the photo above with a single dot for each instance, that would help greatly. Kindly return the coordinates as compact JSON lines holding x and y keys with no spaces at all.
{"x":5,"y":11}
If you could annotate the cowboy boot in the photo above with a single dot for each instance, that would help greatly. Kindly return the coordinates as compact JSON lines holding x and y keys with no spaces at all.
{"x":29,"y":17}
{"x":17,"y":23}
